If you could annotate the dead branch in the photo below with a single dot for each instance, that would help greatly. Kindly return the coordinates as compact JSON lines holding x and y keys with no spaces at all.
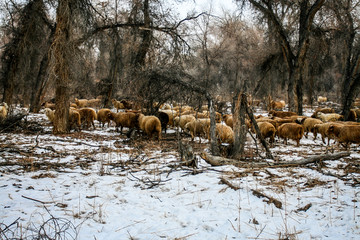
{"x":219,"y":161}
{"x":227,"y":182}
{"x":32,"y":199}
{"x":304,"y":209}
{"x":269,"y":200}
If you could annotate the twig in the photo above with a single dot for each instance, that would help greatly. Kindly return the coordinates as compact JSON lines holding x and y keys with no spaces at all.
{"x":33,"y":199}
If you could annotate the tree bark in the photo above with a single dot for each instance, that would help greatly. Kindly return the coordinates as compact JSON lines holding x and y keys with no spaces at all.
{"x":62,"y":52}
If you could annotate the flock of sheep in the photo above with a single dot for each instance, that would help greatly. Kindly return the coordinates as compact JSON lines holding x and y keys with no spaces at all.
{"x":278,"y":123}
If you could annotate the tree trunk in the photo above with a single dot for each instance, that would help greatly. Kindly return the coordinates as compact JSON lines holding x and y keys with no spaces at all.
{"x":213,"y":141}
{"x":146,"y":36}
{"x":62,"y":52}
{"x":240,"y":128}
{"x":40,"y":86}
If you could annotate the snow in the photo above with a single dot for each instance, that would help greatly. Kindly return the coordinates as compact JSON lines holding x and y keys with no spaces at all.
{"x":99,"y":185}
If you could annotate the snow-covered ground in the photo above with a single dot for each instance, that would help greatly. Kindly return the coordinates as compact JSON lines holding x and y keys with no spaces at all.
{"x":99,"y":185}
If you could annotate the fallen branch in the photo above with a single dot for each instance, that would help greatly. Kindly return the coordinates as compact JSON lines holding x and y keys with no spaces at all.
{"x":269,"y":200}
{"x":219,"y":161}
{"x":304,"y":209}
{"x":227,"y":182}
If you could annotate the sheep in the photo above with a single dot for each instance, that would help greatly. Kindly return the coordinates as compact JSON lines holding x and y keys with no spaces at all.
{"x":277,"y":105}
{"x":182,"y":120}
{"x":281,"y":114}
{"x":50,"y":114}
{"x":267,"y":130}
{"x":228,"y":119}
{"x":352,"y":115}
{"x":280,"y":121}
{"x":171,"y":114}
{"x":345,"y":134}
{"x":198,"y":127}
{"x":48,"y":105}
{"x":74,"y":120}
{"x":329,"y":117}
{"x":81,"y":103}
{"x":323,"y":110}
{"x":309,"y":124}
{"x":224,"y":134}
{"x":206,"y":114}
{"x":321,"y":99}
{"x":150,"y":125}
{"x":322,"y":129}
{"x":269,"y":120}
{"x":166,"y":106}
{"x":124,"y":119}
{"x":94,"y":103}
{"x":164,"y":119}
{"x":4,"y":108}
{"x":292,"y":131}
{"x":88,"y":116}
{"x":118,"y":105}
{"x":127,"y":104}
{"x":103,"y":116}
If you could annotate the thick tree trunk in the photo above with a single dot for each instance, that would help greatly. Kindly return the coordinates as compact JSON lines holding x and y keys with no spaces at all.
{"x":62,"y":53}
{"x":240,"y":128}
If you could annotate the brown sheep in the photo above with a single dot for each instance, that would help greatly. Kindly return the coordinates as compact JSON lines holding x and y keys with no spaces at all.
{"x":228,"y":119}
{"x":103,"y":116}
{"x":280,"y":121}
{"x":277,"y":105}
{"x":357,"y":112}
{"x":127,"y":104}
{"x":94,"y":103}
{"x":88,"y":116}
{"x":267,"y":130}
{"x":74,"y":120}
{"x":48,"y":105}
{"x":345,"y":134}
{"x":309,"y":124}
{"x":281,"y":114}
{"x":81,"y":103}
{"x":182,"y":120}
{"x":198,"y":128}
{"x":292,"y":131}
{"x":118,"y":105}
{"x":269,"y":120}
{"x":124,"y":119}
{"x":224,"y":134}
{"x":322,"y":129}
{"x":323,"y":110}
{"x":150,"y":125}
{"x":218,"y":117}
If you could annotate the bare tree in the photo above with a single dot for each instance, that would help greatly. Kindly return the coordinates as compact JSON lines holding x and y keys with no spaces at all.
{"x":346,"y":34}
{"x":69,"y":15}
{"x":294,"y":48}
{"x":25,"y":60}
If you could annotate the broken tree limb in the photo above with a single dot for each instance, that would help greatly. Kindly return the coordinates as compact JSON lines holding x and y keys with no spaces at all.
{"x":219,"y":161}
{"x":269,"y":200}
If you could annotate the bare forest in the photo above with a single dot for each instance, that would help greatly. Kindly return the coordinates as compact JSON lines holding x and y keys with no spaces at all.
{"x":263,"y":98}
